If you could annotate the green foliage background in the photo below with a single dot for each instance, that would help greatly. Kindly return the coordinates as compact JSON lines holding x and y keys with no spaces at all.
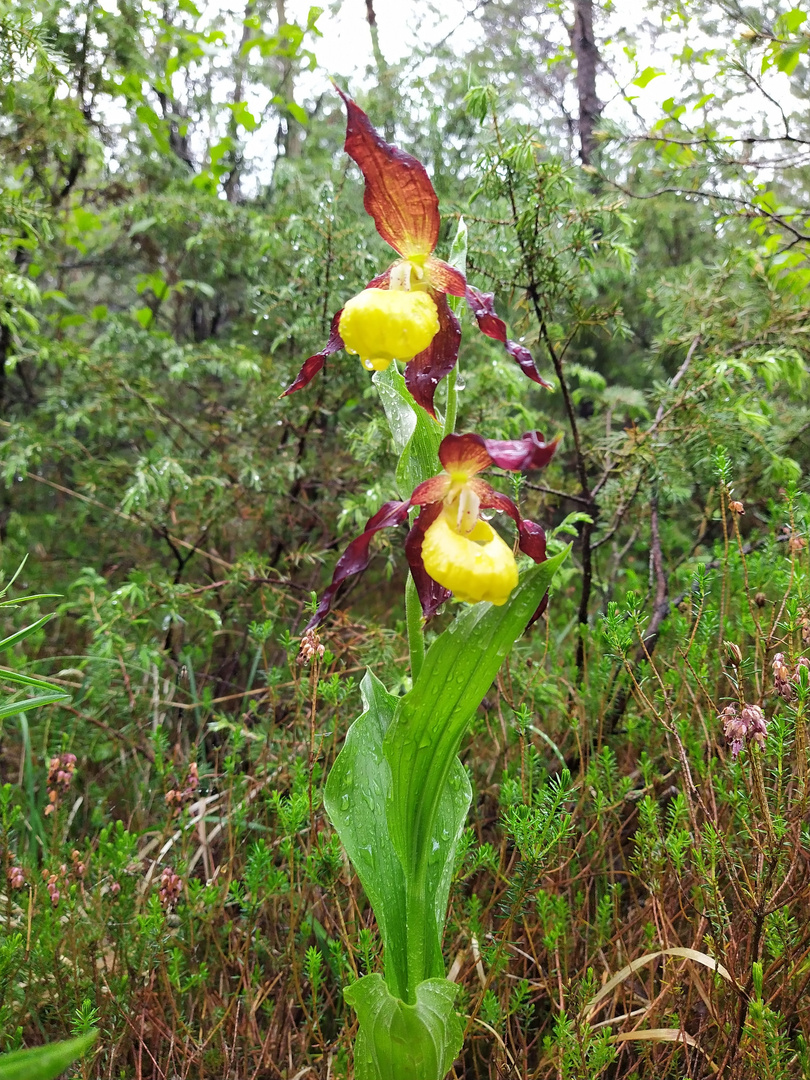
{"x":177,"y":226}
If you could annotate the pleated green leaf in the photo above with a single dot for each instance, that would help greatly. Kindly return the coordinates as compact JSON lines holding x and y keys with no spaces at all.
{"x":356,"y":799}
{"x":44,"y":1062}
{"x":421,"y":747}
{"x":404,"y":1042}
{"x":415,"y":433}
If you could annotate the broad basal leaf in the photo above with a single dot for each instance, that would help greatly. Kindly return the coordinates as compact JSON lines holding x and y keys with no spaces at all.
{"x":415,"y":433}
{"x":421,"y":747}
{"x":404,"y":1042}
{"x":356,"y":800}
{"x":44,"y":1062}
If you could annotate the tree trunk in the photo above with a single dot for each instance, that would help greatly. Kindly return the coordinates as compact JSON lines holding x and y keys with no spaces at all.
{"x":383,"y":73}
{"x":231,"y":185}
{"x":587,"y":56}
{"x":288,"y":138}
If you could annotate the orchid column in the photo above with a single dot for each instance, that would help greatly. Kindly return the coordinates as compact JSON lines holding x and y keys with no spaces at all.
{"x":397,"y":794}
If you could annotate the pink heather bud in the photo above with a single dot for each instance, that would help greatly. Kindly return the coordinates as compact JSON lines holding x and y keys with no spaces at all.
{"x":171,"y":886}
{"x":781,"y":677}
{"x":193,"y":781}
{"x":310,"y":647}
{"x":16,"y":877}
{"x":115,"y":888}
{"x":749,"y":725}
{"x":734,"y":653}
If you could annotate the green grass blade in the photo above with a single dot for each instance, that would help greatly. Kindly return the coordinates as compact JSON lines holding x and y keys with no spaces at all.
{"x":28,"y":680}
{"x":26,"y":631}
{"x":30,"y":703}
{"x":44,"y":1062}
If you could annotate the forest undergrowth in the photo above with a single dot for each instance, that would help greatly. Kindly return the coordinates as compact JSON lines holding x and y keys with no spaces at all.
{"x":631,"y":892}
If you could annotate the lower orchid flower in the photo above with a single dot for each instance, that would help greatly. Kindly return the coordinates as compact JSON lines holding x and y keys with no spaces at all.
{"x":451,"y":548}
{"x":403,"y":313}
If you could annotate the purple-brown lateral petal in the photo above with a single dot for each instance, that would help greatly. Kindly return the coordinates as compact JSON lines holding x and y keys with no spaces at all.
{"x":483,"y":308}
{"x":445,"y":278}
{"x":424,"y":373}
{"x":399,"y":194}
{"x":432,"y":490}
{"x":381,"y":281}
{"x":355,"y":558}
{"x":313,"y":365}
{"x":540,"y":610}
{"x":431,"y":594}
{"x":530,"y":451}
{"x":532,"y":540}
{"x":532,"y":537}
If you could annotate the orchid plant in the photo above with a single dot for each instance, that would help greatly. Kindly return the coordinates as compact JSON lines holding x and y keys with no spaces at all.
{"x":403,"y":313}
{"x":397,"y":794}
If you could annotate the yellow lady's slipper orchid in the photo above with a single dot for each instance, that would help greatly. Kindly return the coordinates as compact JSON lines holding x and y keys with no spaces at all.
{"x":381,"y":325}
{"x":474,"y":566}
{"x":400,"y":198}
{"x":450,"y":547}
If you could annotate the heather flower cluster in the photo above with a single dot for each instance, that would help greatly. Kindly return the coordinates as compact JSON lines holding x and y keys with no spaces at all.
{"x":177,"y":798}
{"x":310,"y":647}
{"x":171,"y":885}
{"x":744,"y":726}
{"x":60,"y":776}
{"x":785,"y":677}
{"x":52,"y":883}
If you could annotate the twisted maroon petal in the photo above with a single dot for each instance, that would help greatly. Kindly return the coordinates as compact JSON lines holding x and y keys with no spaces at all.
{"x":381,"y":281}
{"x":483,"y":308}
{"x":431,"y":594}
{"x":530,"y":451}
{"x":355,"y":558}
{"x":532,"y":537}
{"x":424,"y":373}
{"x":445,"y":278}
{"x":399,"y":194}
{"x":313,"y":365}
{"x":431,"y":491}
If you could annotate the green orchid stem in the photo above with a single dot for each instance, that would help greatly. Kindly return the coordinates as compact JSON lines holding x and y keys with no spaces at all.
{"x":416,"y":636}
{"x":451,"y":411}
{"x":416,"y":920}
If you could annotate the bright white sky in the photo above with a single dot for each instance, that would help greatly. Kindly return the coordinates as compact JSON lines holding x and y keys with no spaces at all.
{"x":346,"y":44}
{"x":344,"y":51}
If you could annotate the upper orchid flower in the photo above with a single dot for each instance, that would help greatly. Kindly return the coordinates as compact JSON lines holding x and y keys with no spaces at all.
{"x":403,"y":313}
{"x":450,"y":547}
